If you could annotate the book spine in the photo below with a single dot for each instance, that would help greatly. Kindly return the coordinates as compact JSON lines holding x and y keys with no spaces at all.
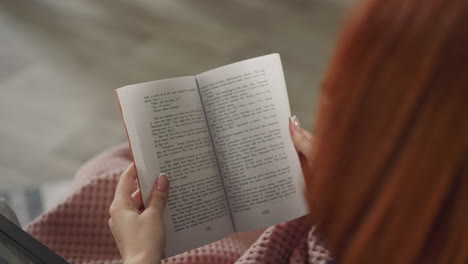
{"x":130,"y":145}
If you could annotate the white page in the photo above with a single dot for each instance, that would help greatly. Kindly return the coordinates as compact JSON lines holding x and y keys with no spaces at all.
{"x":248,"y":113}
{"x":168,"y":133}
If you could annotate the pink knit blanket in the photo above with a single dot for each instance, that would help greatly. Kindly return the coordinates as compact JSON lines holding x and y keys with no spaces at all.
{"x":77,"y":228}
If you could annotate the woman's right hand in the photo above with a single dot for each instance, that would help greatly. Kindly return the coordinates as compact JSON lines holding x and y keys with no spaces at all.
{"x":303,"y":141}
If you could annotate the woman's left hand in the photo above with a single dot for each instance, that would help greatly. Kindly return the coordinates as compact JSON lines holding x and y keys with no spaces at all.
{"x":140,"y":233}
{"x":303,"y":141}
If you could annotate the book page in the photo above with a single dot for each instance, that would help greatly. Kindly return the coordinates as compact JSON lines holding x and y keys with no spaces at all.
{"x":168,"y":133}
{"x":247,"y":107}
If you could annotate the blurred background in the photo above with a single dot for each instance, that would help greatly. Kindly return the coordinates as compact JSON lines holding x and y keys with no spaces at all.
{"x":60,"y":62}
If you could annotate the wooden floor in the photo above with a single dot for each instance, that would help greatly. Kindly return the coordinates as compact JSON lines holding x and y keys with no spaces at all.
{"x":60,"y":62}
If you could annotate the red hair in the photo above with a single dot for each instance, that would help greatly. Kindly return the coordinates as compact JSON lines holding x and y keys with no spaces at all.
{"x":390,"y":180}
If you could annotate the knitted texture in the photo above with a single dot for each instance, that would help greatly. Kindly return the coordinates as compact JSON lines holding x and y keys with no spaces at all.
{"x":77,"y":228}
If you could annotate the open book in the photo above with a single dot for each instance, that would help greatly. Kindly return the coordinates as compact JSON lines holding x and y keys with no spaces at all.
{"x":222,"y":137}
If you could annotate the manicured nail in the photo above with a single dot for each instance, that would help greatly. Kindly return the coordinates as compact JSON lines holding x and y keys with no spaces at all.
{"x":163,"y":182}
{"x":295,"y":124}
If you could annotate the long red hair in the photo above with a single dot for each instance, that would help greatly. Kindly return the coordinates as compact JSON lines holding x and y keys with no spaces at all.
{"x":390,"y":171}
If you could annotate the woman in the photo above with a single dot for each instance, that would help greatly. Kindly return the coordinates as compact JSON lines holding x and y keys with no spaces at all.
{"x":387,"y":177}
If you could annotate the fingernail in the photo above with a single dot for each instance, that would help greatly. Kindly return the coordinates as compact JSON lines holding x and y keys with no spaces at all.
{"x":295,"y":124}
{"x":163,"y":182}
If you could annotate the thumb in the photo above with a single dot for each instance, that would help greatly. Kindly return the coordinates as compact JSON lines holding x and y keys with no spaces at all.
{"x":158,"y":197}
{"x":302,"y":139}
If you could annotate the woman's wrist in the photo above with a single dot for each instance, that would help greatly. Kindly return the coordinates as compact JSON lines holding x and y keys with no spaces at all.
{"x":142,"y":259}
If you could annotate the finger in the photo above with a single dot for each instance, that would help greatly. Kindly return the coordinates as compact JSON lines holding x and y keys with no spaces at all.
{"x":305,"y":164}
{"x":302,"y":139}
{"x":159,"y":193}
{"x":126,"y":184}
{"x":137,"y":200}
